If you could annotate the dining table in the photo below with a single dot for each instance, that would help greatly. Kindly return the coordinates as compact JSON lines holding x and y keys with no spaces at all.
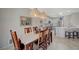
{"x":29,"y":38}
{"x":32,"y":37}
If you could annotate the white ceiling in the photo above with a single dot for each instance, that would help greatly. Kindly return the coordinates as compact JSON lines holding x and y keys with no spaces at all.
{"x":54,"y":12}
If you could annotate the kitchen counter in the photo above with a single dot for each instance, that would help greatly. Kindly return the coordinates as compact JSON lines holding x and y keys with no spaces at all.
{"x":60,"y":31}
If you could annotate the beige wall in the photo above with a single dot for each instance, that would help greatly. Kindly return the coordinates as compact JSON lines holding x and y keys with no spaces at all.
{"x":10,"y":19}
{"x":75,"y":19}
{"x":72,"y":19}
{"x":67,"y":20}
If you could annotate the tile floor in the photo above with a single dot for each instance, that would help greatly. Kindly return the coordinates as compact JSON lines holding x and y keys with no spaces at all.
{"x":64,"y":44}
{"x":60,"y":44}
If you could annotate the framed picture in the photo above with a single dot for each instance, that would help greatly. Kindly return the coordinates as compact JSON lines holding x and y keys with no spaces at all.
{"x":24,"y":20}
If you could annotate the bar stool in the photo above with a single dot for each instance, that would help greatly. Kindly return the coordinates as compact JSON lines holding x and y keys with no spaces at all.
{"x":75,"y":34}
{"x":68,"y":34}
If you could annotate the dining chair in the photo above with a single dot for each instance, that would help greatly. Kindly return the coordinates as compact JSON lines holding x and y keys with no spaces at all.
{"x":42,"y":40}
{"x":27,"y":30}
{"x":18,"y":45}
{"x":48,"y":37}
{"x":35,"y":29}
{"x":15,"y":40}
{"x":51,"y":36}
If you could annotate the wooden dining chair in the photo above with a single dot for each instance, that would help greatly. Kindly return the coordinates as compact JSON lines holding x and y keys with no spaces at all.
{"x":29,"y":46}
{"x":35,"y":29}
{"x":27,"y":30}
{"x":42,"y":41}
{"x":51,"y":37}
{"x":48,"y":37}
{"x":17,"y":42}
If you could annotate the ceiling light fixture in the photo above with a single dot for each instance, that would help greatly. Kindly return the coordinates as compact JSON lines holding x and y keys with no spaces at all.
{"x":36,"y":13}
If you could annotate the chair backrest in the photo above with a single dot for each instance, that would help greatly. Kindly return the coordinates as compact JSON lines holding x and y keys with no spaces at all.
{"x":27,"y":30}
{"x":35,"y":28}
{"x":15,"y":40}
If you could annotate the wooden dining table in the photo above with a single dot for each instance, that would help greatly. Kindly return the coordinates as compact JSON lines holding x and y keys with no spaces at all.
{"x":28,"y":38}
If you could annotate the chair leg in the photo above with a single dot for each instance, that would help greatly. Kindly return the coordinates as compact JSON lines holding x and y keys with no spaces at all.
{"x":51,"y":36}
{"x":29,"y":46}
